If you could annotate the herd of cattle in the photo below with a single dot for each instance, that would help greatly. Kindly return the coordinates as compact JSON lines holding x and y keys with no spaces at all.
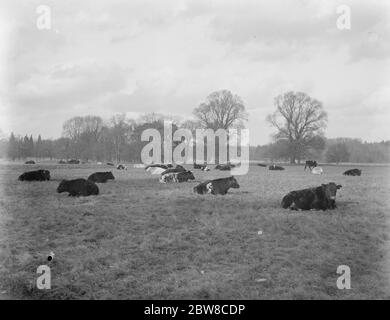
{"x":318,"y":198}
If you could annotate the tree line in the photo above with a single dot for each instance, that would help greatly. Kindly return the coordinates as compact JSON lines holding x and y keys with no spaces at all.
{"x":299,"y":122}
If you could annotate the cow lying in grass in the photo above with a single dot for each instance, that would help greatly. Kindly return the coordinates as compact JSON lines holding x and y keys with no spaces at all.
{"x":163,"y":166}
{"x":178,"y":168}
{"x":317,"y":170}
{"x":224,"y":167}
{"x":121,"y":167}
{"x":177,"y":177}
{"x":101,"y":177}
{"x":353,"y":172}
{"x":73,"y":161}
{"x":78,"y":187}
{"x":38,"y":175}
{"x":217,"y":186}
{"x":318,"y":198}
{"x":30,"y":162}
{"x":275,"y":167}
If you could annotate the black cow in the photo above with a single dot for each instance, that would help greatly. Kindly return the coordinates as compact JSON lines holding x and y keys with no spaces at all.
{"x":178,"y":168}
{"x":310,"y":164}
{"x":224,"y":167}
{"x":30,"y":162}
{"x":353,"y":172}
{"x":184,"y":176}
{"x":110,"y":164}
{"x":62,"y":162}
{"x":217,"y":186}
{"x":121,"y":167}
{"x":200,"y":166}
{"x":73,"y":161}
{"x":38,"y":175}
{"x":318,"y":198}
{"x":78,"y":187}
{"x":275,"y":167}
{"x":262,"y":165}
{"x":101,"y":177}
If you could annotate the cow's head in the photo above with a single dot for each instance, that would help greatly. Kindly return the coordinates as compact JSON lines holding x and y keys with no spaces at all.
{"x":190,"y":175}
{"x":233,"y":183}
{"x":110,"y":175}
{"x":63,"y":186}
{"x":330,"y":190}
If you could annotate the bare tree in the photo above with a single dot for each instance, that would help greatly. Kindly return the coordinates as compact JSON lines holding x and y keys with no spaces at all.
{"x":299,"y":119}
{"x":222,"y":110}
{"x":121,"y":130}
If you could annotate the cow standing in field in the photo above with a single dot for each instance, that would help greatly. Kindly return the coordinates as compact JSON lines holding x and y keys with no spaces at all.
{"x":101,"y":177}
{"x":78,"y":187}
{"x":353,"y":172}
{"x":318,"y":198}
{"x":38,"y":175}
{"x":183,"y":176}
{"x":217,"y":186}
{"x":310,"y":164}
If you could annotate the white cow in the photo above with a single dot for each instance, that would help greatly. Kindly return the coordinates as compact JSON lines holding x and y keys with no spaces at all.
{"x":156,"y":170}
{"x":317,"y":170}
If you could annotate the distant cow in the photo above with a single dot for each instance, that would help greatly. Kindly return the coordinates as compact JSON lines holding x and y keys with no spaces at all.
{"x":155,"y":170}
{"x":78,"y":187}
{"x":178,"y":168}
{"x":317,"y":170}
{"x":318,"y":198}
{"x":224,"y":167}
{"x":163,"y":166}
{"x":177,"y":177}
{"x":262,"y":165}
{"x":217,"y":186}
{"x":121,"y":167}
{"x":199,"y":166}
{"x":30,"y":162}
{"x":62,"y":162}
{"x":110,"y":164}
{"x":353,"y":172}
{"x":275,"y":167}
{"x":310,"y":164}
{"x":73,"y":161}
{"x":101,"y":177}
{"x":38,"y":175}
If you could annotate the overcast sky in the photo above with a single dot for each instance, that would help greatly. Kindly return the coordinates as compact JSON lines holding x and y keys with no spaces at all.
{"x":137,"y":56}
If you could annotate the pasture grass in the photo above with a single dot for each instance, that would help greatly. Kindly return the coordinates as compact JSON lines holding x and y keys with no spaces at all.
{"x":140,"y":239}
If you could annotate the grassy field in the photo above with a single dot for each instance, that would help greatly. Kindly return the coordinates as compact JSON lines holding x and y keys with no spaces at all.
{"x":140,"y":239}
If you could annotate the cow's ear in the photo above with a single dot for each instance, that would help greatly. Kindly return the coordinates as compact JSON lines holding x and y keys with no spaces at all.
{"x":339,"y":186}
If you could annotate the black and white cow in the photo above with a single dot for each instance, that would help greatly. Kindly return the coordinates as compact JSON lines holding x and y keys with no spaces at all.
{"x":121,"y":167}
{"x":310,"y":164}
{"x":217,"y":186}
{"x":182,"y":176}
{"x":275,"y":167}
